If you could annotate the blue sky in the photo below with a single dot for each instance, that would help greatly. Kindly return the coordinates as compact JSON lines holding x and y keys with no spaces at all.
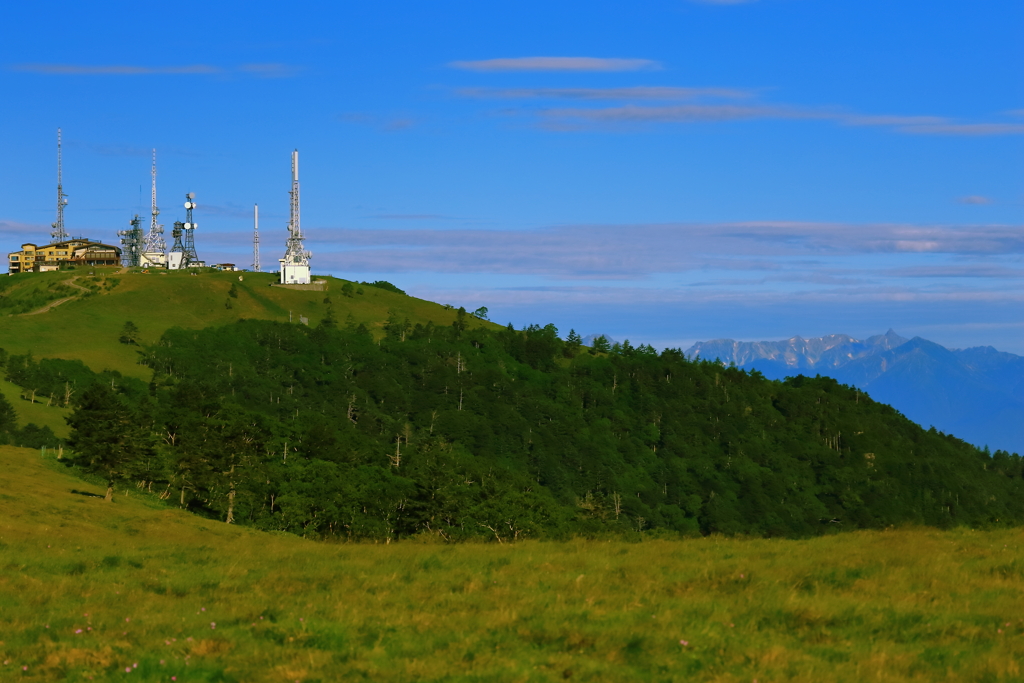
{"x":666,"y":171}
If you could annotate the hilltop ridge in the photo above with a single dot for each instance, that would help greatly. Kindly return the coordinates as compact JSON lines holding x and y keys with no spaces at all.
{"x":86,"y":325}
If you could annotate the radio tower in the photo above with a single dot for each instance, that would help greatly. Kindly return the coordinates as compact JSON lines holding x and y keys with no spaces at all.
{"x":132,"y":240}
{"x":155,"y":245}
{"x":190,"y":259}
{"x":295,"y":264}
{"x":255,"y":238}
{"x":58,"y":233}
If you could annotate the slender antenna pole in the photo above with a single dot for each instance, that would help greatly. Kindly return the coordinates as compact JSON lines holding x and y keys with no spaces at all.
{"x":295,"y":229}
{"x":256,"y":238}
{"x":153,"y":228}
{"x":59,"y":234}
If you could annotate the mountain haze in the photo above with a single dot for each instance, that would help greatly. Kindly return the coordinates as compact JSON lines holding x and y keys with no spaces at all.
{"x":975,"y":393}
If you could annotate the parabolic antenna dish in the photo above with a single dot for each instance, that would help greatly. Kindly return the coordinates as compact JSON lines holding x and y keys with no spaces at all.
{"x":187,"y":226}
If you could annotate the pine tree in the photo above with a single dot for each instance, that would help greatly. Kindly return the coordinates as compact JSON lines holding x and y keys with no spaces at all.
{"x":572,"y":344}
{"x":8,"y":418}
{"x":460,"y":321}
{"x":129,"y":333}
{"x":105,"y":437}
{"x":328,"y":322}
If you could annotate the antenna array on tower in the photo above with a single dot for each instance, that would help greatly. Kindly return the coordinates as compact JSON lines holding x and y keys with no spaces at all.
{"x":59,"y":234}
{"x":133,"y":241}
{"x":190,"y":258}
{"x":148,"y":249}
{"x":295,"y":264}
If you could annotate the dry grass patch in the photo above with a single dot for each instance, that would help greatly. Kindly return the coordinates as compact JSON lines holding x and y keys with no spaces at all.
{"x":91,"y":589}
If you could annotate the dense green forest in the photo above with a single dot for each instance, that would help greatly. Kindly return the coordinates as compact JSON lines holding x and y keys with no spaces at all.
{"x":329,"y":432}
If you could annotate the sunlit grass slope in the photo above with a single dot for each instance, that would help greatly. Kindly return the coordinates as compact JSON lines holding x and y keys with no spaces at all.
{"x":87,"y":328}
{"x":37,"y":413}
{"x":135,"y":591}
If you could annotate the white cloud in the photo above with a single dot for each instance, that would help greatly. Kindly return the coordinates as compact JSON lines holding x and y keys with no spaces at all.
{"x":966,"y":129}
{"x":387,"y":124}
{"x":23,"y":229}
{"x":557,"y":64}
{"x":625,"y":252}
{"x":258,"y":70}
{"x":582,"y":118}
{"x":630,"y":93}
{"x":690,"y":113}
{"x":269,"y":70}
{"x":975,"y":199}
{"x":113,"y":70}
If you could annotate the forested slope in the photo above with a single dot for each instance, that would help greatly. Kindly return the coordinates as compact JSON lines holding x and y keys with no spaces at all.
{"x":464,"y":433}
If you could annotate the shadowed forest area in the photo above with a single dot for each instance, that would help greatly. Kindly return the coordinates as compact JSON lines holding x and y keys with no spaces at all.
{"x":464,"y":433}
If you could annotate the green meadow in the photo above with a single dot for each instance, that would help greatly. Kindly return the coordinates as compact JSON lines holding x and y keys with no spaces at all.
{"x":87,"y":327}
{"x":139,"y":590}
{"x":37,"y":413}
{"x":134,"y":590}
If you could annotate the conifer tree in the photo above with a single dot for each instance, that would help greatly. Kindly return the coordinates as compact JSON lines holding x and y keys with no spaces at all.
{"x":105,"y":437}
{"x":572,"y":344}
{"x":129,"y":333}
{"x":8,"y":418}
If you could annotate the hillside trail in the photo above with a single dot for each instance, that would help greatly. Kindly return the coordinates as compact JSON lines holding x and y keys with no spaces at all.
{"x":58,"y":302}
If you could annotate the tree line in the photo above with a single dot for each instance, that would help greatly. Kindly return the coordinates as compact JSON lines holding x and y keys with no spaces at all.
{"x":469,"y":433}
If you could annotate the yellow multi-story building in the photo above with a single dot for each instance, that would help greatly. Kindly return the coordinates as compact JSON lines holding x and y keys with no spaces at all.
{"x":79,"y":251}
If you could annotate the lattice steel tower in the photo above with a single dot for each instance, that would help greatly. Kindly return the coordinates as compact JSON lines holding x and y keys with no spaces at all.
{"x":155,"y":238}
{"x":177,"y":247}
{"x":133,"y":241}
{"x":295,"y":264}
{"x":59,"y":234}
{"x":190,"y":258}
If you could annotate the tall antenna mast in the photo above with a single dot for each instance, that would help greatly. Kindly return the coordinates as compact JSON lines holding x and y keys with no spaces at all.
{"x":256,"y":238}
{"x":293,"y":220}
{"x":155,"y":245}
{"x":153,"y":227}
{"x":295,"y":264}
{"x":58,"y":233}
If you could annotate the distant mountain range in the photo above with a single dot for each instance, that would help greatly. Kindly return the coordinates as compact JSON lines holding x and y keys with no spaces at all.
{"x":976,"y":394}
{"x":589,"y":339}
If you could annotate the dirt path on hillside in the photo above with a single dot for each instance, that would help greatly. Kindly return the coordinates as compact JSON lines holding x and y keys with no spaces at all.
{"x":58,"y":302}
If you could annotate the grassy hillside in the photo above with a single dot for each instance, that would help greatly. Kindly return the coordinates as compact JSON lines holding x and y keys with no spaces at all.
{"x":87,"y":326}
{"x":36,"y":413}
{"x":97,"y":591}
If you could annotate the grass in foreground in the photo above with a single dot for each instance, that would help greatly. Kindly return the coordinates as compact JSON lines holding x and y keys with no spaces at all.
{"x":97,"y":591}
